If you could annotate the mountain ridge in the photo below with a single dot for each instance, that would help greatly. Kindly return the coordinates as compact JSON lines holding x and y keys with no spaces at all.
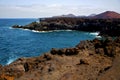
{"x":103,"y":15}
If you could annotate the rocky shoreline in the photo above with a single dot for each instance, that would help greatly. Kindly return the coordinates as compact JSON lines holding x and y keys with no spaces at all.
{"x":109,"y":27}
{"x":89,"y":60}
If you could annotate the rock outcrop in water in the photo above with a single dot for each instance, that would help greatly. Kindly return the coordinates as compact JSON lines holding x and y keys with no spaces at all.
{"x":89,"y":60}
{"x":110,"y":27}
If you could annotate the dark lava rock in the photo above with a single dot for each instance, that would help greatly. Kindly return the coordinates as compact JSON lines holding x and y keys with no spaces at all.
{"x":97,"y":43}
{"x":16,"y":26}
{"x":84,"y":61}
{"x":71,"y":51}
{"x":66,"y":51}
{"x":26,"y":66}
{"x":47,"y":56}
{"x":85,"y":45}
{"x":54,"y":51}
{"x":109,"y":47}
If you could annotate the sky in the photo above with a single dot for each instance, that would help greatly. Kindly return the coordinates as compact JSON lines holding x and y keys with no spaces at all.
{"x":48,"y":8}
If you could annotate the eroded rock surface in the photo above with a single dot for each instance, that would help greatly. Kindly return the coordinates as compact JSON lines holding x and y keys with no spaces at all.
{"x":89,"y":60}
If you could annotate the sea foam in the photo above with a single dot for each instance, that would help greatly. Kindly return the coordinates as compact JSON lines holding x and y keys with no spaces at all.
{"x":49,"y":31}
{"x":11,"y":59}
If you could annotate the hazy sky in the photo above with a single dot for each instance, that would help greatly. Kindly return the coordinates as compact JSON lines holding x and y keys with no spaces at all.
{"x":45,"y":8}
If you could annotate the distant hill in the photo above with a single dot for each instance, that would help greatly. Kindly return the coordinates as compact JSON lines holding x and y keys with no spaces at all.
{"x":107,"y":15}
{"x":68,"y":15}
{"x":91,"y":15}
{"x":104,"y":15}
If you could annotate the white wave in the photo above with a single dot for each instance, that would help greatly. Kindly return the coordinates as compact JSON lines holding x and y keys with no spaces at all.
{"x":11,"y":28}
{"x":41,"y":31}
{"x":11,"y":59}
{"x":94,"y":33}
{"x":26,"y":29}
{"x":98,"y":36}
{"x":49,"y":31}
{"x":62,"y":30}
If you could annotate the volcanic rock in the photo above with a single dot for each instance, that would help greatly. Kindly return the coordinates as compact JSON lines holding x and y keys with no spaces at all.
{"x":97,"y":59}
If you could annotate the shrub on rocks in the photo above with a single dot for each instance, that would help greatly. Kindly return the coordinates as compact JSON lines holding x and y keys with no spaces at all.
{"x":47,"y":57}
{"x":68,"y":52}
{"x":83,"y":61}
{"x":54,"y":51}
{"x":72,"y":51}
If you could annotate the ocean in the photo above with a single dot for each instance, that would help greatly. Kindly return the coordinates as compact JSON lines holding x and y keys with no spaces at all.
{"x":16,"y":43}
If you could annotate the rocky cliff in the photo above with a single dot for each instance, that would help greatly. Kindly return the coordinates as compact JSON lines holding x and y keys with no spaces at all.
{"x":89,"y":60}
{"x":110,"y":27}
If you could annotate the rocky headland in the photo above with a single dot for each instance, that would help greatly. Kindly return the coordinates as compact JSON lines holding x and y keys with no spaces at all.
{"x":109,"y":27}
{"x":107,"y":23}
{"x":97,"y":59}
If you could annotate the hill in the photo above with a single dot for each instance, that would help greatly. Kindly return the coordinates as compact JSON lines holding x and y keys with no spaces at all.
{"x":107,"y":15}
{"x":67,"y":15}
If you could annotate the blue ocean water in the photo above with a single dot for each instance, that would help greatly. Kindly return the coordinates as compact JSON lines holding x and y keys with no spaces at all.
{"x":16,"y":43}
